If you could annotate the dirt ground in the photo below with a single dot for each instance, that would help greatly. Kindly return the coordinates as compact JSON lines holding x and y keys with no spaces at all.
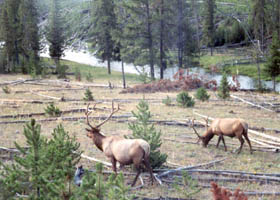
{"x":178,"y":142}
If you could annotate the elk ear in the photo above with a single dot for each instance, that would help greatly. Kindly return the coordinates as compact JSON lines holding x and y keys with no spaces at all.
{"x":88,"y":130}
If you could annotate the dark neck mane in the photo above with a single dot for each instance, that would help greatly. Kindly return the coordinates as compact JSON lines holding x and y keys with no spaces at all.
{"x":98,"y":140}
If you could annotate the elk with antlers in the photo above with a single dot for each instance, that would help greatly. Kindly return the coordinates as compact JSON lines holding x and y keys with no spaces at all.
{"x":119,"y":149}
{"x":231,"y":127}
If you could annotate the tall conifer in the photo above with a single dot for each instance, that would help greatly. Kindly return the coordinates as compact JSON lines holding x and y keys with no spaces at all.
{"x":272,"y":68}
{"x":209,"y":23}
{"x":55,"y":32}
{"x":104,"y":23}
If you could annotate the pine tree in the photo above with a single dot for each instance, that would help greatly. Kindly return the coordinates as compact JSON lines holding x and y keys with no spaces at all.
{"x":259,"y":20}
{"x":88,"y":95}
{"x":30,"y":44}
{"x":44,"y":170}
{"x":11,"y":33}
{"x":55,"y":32}
{"x":27,"y":175}
{"x":104,"y":22}
{"x":272,"y":68}
{"x":208,"y":24}
{"x":143,"y":129}
{"x":223,"y":91}
{"x":63,"y":154}
{"x":139,"y":34}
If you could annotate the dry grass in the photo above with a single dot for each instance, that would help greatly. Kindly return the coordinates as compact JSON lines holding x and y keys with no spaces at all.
{"x":173,"y":136}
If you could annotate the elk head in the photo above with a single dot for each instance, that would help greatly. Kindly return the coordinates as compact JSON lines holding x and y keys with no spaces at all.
{"x":200,"y":138}
{"x":95,"y":130}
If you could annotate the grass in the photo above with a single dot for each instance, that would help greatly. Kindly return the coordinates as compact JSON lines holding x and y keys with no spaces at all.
{"x":99,"y":74}
{"x":174,"y":138}
{"x":207,"y":61}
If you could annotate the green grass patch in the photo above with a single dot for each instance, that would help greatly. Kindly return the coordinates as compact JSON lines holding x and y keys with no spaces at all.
{"x":250,"y":70}
{"x":98,"y":73}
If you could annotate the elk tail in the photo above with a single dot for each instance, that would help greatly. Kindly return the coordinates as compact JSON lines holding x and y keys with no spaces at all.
{"x":245,"y":126}
{"x":145,"y":146}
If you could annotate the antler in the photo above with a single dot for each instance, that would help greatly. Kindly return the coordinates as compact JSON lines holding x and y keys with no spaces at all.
{"x":87,"y":113}
{"x":195,"y":129}
{"x":113,"y":112}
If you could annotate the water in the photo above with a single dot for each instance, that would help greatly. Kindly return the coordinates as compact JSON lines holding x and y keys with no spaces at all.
{"x":86,"y":57}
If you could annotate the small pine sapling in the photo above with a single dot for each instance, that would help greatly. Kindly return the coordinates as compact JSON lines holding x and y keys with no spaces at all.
{"x":88,"y":95}
{"x":187,"y":186}
{"x":52,"y":110}
{"x":183,"y":99}
{"x":167,"y":101}
{"x":6,"y":89}
{"x":143,"y":129}
{"x":89,"y":77}
{"x":223,"y":91}
{"x":201,"y":94}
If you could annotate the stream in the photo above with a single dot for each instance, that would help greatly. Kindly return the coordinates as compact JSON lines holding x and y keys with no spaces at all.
{"x":86,"y":57}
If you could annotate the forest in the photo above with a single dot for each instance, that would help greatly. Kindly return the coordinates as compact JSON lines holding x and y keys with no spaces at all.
{"x":66,"y":128}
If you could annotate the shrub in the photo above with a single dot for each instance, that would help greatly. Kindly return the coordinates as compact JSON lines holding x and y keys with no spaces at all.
{"x":187,"y":186}
{"x":52,"y":110}
{"x":167,"y":101}
{"x":89,"y":77}
{"x":6,"y":89}
{"x":88,"y":95}
{"x":143,"y":129}
{"x":61,"y":70}
{"x":201,"y":94}
{"x":223,"y":91}
{"x":184,"y":100}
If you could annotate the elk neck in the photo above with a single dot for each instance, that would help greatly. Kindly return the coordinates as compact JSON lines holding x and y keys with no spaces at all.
{"x":98,"y":140}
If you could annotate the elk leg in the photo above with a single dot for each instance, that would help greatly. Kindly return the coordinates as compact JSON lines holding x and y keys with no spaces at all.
{"x":241,"y":143}
{"x":224,"y":142}
{"x":219,"y":140}
{"x":148,"y":166}
{"x":114,"y":162}
{"x":137,"y":175}
{"x":248,"y":141}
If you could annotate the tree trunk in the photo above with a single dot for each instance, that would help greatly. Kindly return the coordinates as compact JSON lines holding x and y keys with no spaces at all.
{"x":259,"y":73}
{"x":274,"y":84}
{"x":109,"y":65}
{"x":150,"y":40}
{"x":123,"y":76}
{"x":179,"y":42}
{"x":162,"y":54}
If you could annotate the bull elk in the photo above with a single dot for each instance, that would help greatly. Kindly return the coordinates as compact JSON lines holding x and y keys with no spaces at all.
{"x":119,"y":149}
{"x":231,"y":127}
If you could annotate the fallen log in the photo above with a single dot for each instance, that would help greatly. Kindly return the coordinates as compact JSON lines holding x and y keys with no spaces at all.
{"x":190,"y":167}
{"x":250,"y":103}
{"x":65,"y":119}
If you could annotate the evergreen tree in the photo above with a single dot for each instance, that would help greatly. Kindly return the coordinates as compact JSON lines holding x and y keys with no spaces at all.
{"x":11,"y":33}
{"x":30,"y":35}
{"x":63,"y":154}
{"x":209,"y":23}
{"x":44,"y":170}
{"x":143,"y":129}
{"x":104,"y":22}
{"x":223,"y":91}
{"x":272,"y":68}
{"x":27,"y":175}
{"x":139,"y":33}
{"x":259,"y":21}
{"x":55,"y":32}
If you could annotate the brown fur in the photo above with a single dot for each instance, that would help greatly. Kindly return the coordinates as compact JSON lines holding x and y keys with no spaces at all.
{"x":231,"y":127}
{"x":119,"y":149}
